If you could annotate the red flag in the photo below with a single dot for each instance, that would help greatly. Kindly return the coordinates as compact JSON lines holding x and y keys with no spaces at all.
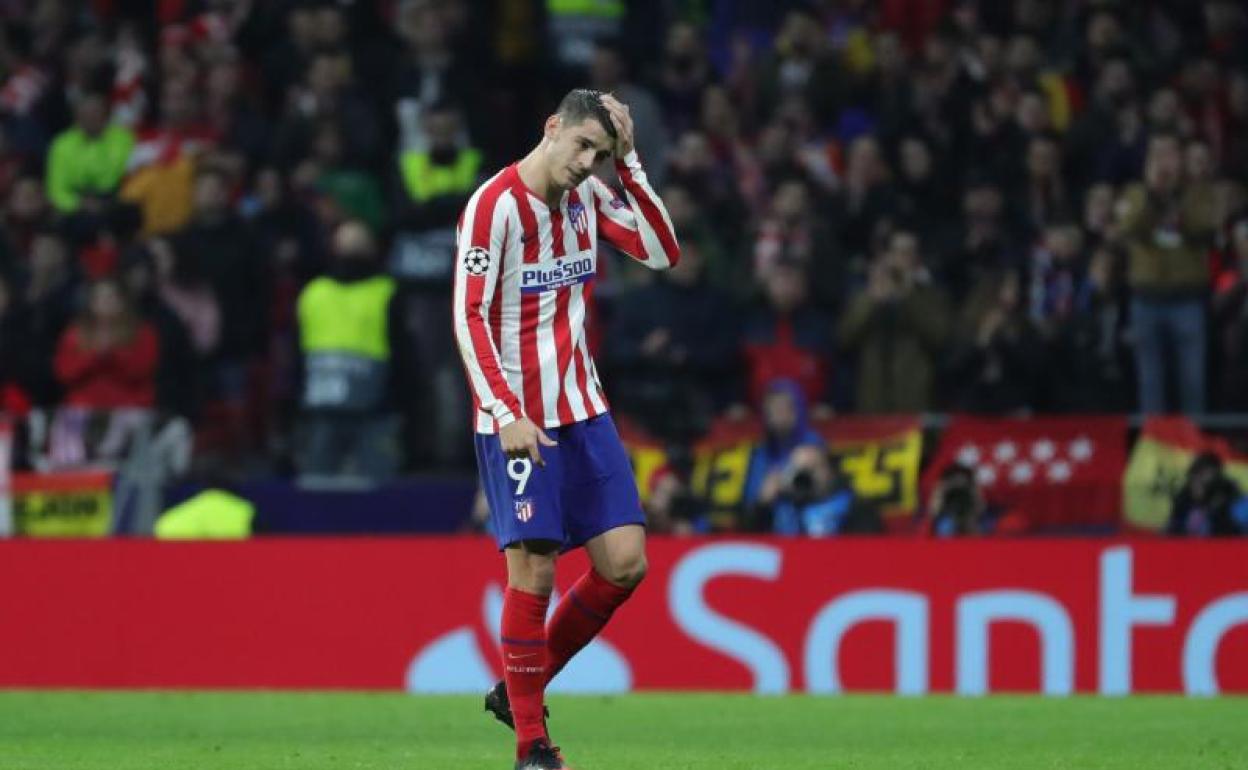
{"x":1058,"y":471}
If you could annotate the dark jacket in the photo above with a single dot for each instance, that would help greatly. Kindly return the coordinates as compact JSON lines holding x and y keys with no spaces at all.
{"x":689,"y":378}
{"x":1223,"y":513}
{"x":226,"y":253}
{"x":897,"y":344}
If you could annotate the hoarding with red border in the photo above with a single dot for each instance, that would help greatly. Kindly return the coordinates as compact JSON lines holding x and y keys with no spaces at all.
{"x":766,"y":614}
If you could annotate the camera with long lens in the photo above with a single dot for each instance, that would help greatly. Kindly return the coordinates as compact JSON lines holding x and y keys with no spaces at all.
{"x":802,"y":487}
{"x":957,"y":501}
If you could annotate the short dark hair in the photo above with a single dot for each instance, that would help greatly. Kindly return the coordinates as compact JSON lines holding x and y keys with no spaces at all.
{"x":582,"y":104}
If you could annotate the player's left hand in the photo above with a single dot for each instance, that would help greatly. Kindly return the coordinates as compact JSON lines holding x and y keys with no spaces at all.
{"x":623,"y":124}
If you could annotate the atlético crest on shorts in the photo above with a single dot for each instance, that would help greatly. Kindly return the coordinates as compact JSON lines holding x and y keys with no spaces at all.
{"x":524,"y":510}
{"x":580,"y":219}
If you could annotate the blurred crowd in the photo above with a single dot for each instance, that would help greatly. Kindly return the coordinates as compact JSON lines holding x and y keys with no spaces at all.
{"x":999,"y":207}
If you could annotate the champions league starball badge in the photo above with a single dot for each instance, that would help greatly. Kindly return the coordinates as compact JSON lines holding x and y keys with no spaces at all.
{"x":477,"y":261}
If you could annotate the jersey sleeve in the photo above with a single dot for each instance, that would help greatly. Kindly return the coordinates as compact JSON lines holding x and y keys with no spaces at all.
{"x":480,"y":240}
{"x":637,"y":225}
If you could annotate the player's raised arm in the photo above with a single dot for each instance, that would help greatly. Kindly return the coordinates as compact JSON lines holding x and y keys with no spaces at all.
{"x":478,"y":257}
{"x":639,"y":225}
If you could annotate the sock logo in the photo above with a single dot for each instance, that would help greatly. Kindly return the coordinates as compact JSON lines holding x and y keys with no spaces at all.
{"x":526,"y":669}
{"x":513,"y":656}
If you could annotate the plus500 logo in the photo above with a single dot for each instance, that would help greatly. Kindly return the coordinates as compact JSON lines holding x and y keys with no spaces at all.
{"x":533,"y":280}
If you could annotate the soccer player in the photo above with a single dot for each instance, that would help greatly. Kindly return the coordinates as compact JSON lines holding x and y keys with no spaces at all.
{"x":550,"y":459}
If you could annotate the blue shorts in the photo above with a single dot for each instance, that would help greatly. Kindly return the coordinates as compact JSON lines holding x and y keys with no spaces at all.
{"x":586,"y":488}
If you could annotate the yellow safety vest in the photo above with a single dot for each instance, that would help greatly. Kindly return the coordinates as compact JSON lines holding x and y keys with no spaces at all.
{"x":345,"y":341}
{"x":607,"y":9}
{"x":212,"y":514}
{"x":424,"y":180}
{"x":346,"y":317}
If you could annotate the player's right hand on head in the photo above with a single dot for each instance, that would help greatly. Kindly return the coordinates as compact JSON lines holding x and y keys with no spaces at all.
{"x":522,"y":438}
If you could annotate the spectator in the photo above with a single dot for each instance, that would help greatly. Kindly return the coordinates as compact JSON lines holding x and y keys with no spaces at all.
{"x":162,"y":168}
{"x":684,"y":73}
{"x":87,"y":161}
{"x":957,"y":508}
{"x":1198,"y":164}
{"x":608,"y":72}
{"x":788,"y":337}
{"x":923,"y":199}
{"x":721,"y":265}
{"x":25,"y":214}
{"x":18,"y":368}
{"x":868,"y":194}
{"x":48,"y":301}
{"x":1230,"y":308}
{"x":219,"y":246}
{"x":328,"y":93}
{"x":1236,"y":151}
{"x":802,"y":66}
{"x":887,"y":91}
{"x":107,"y":359}
{"x":1058,"y":285}
{"x":431,"y":72}
{"x":1167,"y":229}
{"x":184,"y":290}
{"x":285,"y":225}
{"x":793,"y":230}
{"x":179,"y":372}
{"x":232,"y":109}
{"x":1044,"y":194}
{"x":1098,"y":215}
{"x":1209,"y":504}
{"x":1089,"y":349}
{"x":986,"y":244}
{"x":355,"y":192}
{"x":693,"y":165}
{"x":673,"y":348}
{"x":896,"y":329}
{"x":996,"y":362}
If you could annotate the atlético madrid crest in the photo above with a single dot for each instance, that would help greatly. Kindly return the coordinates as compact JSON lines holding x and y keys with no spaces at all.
{"x":524,"y":510}
{"x":580,"y":220}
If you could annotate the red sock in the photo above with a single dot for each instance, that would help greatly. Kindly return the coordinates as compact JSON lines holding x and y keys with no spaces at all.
{"x":525,"y":663}
{"x":580,"y":616}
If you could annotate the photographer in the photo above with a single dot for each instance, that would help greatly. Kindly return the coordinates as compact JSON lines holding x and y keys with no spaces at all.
{"x":957,"y":508}
{"x":1210,"y":504}
{"x":811,"y":499}
{"x":786,"y":426}
{"x":672,"y":507}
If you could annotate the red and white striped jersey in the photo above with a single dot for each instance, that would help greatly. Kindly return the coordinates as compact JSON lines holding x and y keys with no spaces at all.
{"x":522,"y":277}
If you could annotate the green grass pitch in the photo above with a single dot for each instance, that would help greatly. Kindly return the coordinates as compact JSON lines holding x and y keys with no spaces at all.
{"x":319,"y":731}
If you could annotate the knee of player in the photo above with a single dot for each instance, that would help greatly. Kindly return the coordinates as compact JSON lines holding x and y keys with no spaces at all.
{"x":628,"y":573}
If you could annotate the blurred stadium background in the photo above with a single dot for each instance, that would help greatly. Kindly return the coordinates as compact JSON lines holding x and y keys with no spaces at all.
{"x":949,"y":393}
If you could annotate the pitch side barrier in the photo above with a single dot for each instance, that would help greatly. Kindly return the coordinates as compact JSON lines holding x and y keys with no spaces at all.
{"x":768,"y":615}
